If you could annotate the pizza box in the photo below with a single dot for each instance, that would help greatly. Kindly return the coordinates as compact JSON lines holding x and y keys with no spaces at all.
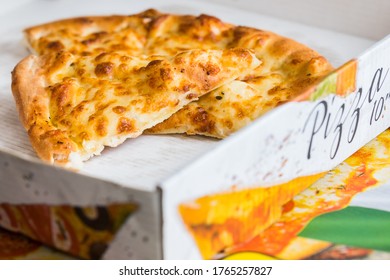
{"x":333,"y":213}
{"x":158,"y":196}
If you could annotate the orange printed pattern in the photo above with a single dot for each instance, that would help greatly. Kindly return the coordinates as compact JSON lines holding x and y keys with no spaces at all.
{"x":346,"y":78}
{"x":83,"y":232}
{"x":223,"y":220}
{"x":341,"y":82}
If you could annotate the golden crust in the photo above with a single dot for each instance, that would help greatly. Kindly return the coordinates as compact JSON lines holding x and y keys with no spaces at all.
{"x":149,"y":32}
{"x":32,"y":100}
{"x":88,"y":35}
{"x":73,"y":106}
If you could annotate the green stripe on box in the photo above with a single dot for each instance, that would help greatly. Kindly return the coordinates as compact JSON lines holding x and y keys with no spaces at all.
{"x":353,"y":226}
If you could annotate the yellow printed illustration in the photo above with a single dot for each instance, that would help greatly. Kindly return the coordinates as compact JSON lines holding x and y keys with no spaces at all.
{"x":279,"y":220}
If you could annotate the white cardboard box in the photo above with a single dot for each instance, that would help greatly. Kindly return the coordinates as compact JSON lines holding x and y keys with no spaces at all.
{"x":160,"y":172}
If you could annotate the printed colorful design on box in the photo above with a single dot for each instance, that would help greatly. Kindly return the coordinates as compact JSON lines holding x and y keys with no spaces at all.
{"x":84,"y":232}
{"x":289,"y":221}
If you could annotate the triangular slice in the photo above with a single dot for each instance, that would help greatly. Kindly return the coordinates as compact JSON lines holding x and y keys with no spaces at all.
{"x":288,"y":69}
{"x":73,"y":106}
{"x":232,"y":106}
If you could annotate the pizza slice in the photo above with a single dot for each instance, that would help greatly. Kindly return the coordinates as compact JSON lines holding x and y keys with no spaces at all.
{"x":231,"y":107}
{"x":73,"y":106}
{"x":288,"y":67}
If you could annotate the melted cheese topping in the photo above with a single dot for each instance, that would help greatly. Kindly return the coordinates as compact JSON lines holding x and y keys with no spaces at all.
{"x":101,"y":100}
{"x":288,"y":67}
